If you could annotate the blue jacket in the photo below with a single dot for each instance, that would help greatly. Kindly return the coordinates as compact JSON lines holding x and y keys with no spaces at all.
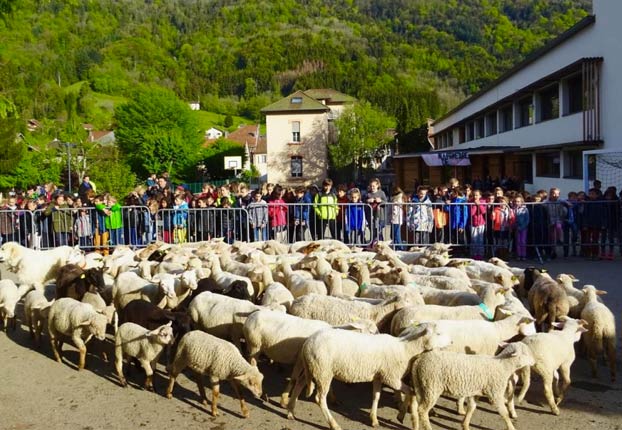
{"x":521,"y":216}
{"x":458,"y":214}
{"x":181,"y":215}
{"x":355,"y":217}
{"x":301,"y":212}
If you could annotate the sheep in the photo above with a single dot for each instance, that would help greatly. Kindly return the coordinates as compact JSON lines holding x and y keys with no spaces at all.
{"x":336,"y":311}
{"x":438,"y":282}
{"x":237,"y":289}
{"x":576,"y":297}
{"x":220,"y":315}
{"x":548,"y":300}
{"x":457,"y":374}
{"x":474,"y":337}
{"x":601,"y":333}
{"x":486,"y":271}
{"x":300,"y":286}
{"x":73,"y":281}
{"x":357,"y":357}
{"x":410,"y":294}
{"x":553,"y":352}
{"x":129,"y":286}
{"x":225,"y":279}
{"x":435,"y":312}
{"x":79,"y":321}
{"x":183,"y":285}
{"x":220,"y":360}
{"x":276,"y":293}
{"x":99,"y":304}
{"x":36,"y":311}
{"x":451,"y":272}
{"x":133,"y":340}
{"x":10,"y":294}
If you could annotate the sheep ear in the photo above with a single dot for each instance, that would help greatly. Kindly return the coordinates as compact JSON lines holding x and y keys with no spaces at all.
{"x":242,"y":377}
{"x":572,"y":277}
{"x":581,"y":329}
{"x":559,"y":325}
{"x":502,"y":345}
{"x":85,"y":323}
{"x":600,"y":292}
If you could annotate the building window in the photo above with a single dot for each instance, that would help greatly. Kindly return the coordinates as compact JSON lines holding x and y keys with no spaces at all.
{"x":491,"y":123}
{"x":523,"y":168}
{"x":549,"y":103}
{"x":296,"y":131}
{"x":505,"y":119}
{"x":450,"y":138}
{"x":296,"y":100}
{"x":547,"y":164}
{"x":573,"y":164}
{"x":525,"y":112}
{"x":461,"y":135}
{"x":574,"y":95}
{"x":296,"y":167}
{"x":479,"y":129}
{"x":470,"y":131}
{"x":261,"y":159}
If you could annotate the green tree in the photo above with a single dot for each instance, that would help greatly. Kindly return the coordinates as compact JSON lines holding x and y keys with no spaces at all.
{"x":362,"y":130}
{"x":214,"y":157}
{"x":112,"y":174}
{"x":157,"y":132}
{"x":228,"y":121}
{"x":11,"y":147}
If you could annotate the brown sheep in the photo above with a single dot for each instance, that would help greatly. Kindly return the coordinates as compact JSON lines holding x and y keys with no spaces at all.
{"x":548,"y":300}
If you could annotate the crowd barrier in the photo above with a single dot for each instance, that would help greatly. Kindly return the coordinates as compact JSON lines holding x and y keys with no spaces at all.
{"x":541,"y":229}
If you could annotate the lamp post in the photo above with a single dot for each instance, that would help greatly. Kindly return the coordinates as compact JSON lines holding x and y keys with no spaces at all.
{"x":68,"y":147}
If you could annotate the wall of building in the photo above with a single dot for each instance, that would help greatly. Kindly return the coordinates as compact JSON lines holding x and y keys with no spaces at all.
{"x":312,"y":148}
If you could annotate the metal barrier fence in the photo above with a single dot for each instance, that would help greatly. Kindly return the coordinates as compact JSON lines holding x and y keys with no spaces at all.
{"x":540,"y":230}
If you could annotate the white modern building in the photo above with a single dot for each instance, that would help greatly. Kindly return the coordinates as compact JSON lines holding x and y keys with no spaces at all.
{"x":540,"y":120}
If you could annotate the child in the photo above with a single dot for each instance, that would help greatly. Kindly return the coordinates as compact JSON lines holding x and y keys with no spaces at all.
{"x":342,"y":201}
{"x":226,"y":221}
{"x":82,"y":228}
{"x":167,"y":221}
{"x":277,"y":212}
{"x":502,"y":221}
{"x":458,"y":216}
{"x":421,"y":217}
{"x":301,"y":214}
{"x":478,"y":225}
{"x":258,"y":217}
{"x":180,"y":219}
{"x":521,"y":217}
{"x":397,"y":216}
{"x":355,"y":218}
{"x":593,"y":222}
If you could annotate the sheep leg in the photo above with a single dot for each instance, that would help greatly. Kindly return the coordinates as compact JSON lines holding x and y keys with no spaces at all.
{"x":564,"y":374}
{"x":499,"y":403}
{"x":149,"y":374}
{"x":376,"y":387}
{"x":460,"y":406}
{"x":471,"y":405}
{"x":201,"y":387}
{"x":56,"y":348}
{"x":509,"y":397}
{"x":592,"y":345}
{"x":118,"y":364}
{"x":238,"y":393}
{"x":322,"y":389}
{"x":171,"y":385}
{"x":79,"y":343}
{"x":547,"y":379}
{"x":285,"y":393}
{"x":525,"y":376}
{"x":291,"y":405}
{"x":215,"y":394}
{"x":424,"y":407}
{"x":610,"y":344}
{"x":404,"y":397}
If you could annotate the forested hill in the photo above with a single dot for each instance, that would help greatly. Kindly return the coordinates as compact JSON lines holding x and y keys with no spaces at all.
{"x":414,"y":58}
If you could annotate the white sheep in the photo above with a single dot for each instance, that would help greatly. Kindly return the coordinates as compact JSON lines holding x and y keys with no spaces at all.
{"x":76,"y":320}
{"x":299,"y":285}
{"x":277,"y":294}
{"x":36,"y":311}
{"x":357,"y":357}
{"x":337,"y":311}
{"x":601,"y":330}
{"x":410,"y":294}
{"x":576,"y":297}
{"x":225,"y":279}
{"x":457,"y":374}
{"x":183,"y":284}
{"x":10,"y":294}
{"x":220,"y":360}
{"x":486,"y":272}
{"x":554,"y":352}
{"x":133,"y":340}
{"x":129,"y":286}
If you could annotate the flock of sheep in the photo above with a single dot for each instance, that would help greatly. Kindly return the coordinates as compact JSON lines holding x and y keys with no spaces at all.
{"x":418,"y":322}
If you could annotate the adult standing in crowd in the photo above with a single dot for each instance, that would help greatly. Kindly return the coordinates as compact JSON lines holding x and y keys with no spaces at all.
{"x":376,"y":198}
{"x":62,"y":220}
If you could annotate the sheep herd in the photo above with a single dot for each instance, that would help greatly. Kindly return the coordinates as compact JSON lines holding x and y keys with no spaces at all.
{"x":419,"y":322}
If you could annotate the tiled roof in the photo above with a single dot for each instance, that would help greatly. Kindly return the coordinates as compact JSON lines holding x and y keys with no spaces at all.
{"x":299,"y":101}
{"x":332,"y":96}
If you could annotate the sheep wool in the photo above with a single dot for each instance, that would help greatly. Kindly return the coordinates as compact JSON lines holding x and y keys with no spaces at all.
{"x":601,"y":330}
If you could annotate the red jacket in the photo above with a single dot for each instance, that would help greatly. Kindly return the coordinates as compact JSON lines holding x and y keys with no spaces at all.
{"x":277,"y":211}
{"x":478,"y":213}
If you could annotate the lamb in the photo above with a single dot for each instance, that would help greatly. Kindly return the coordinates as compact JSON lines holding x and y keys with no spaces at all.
{"x":438,"y":282}
{"x":73,"y":281}
{"x":357,"y":357}
{"x":183,"y":285}
{"x":129,"y":286}
{"x":548,"y":300}
{"x":225,"y":279}
{"x":300,"y":286}
{"x":410,"y":294}
{"x":487,"y":272}
{"x":475,"y":337}
{"x":79,"y":321}
{"x":336,"y":311}
{"x":10,"y":294}
{"x":457,"y":374}
{"x":553,"y":352}
{"x":220,"y":360}
{"x":576,"y":297}
{"x":451,"y":272}
{"x":36,"y":311}
{"x":601,"y":330}
{"x":277,"y":294}
{"x":133,"y":340}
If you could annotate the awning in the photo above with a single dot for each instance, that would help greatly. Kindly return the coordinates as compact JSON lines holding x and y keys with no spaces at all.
{"x":448,"y":158}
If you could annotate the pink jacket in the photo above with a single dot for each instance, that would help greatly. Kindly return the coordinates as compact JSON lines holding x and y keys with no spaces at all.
{"x":277,"y":211}
{"x":478,"y":213}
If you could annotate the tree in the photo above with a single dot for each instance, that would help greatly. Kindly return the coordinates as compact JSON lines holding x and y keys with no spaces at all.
{"x":157,"y":132}
{"x":362,"y":130}
{"x":11,"y":148}
{"x":228,"y":121}
{"x":214,"y":157}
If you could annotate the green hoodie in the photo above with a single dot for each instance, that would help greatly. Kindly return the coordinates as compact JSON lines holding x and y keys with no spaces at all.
{"x":115,"y":219}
